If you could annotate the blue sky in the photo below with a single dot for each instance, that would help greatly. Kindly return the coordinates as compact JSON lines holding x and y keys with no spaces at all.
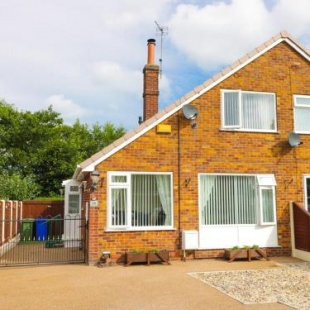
{"x":85,"y":58}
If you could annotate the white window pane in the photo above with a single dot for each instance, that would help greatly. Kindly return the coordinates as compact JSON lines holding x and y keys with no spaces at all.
{"x":304,"y":101}
{"x":266,"y":180}
{"x":140,"y":200}
{"x":151,"y":200}
{"x":302,"y":119}
{"x":119,"y":178}
{"x":231,"y":109}
{"x":119,"y":206}
{"x":74,"y":204}
{"x":267,"y":205}
{"x":228,"y":200}
{"x":258,"y":111}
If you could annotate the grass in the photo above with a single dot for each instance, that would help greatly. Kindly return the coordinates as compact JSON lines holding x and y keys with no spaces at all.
{"x":54,"y":198}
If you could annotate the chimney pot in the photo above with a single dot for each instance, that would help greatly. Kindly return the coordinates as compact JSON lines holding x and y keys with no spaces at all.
{"x":151,"y":51}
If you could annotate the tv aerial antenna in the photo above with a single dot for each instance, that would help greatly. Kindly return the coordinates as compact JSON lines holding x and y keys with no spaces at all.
{"x":161,"y":31}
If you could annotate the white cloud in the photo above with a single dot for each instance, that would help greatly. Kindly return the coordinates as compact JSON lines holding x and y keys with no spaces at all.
{"x":218,"y":33}
{"x":214,"y":35}
{"x":293,"y":16}
{"x":112,"y":76}
{"x":93,"y":53}
{"x":70,"y":111}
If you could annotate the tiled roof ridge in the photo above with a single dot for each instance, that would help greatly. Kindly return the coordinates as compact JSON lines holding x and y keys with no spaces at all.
{"x":196,"y":91}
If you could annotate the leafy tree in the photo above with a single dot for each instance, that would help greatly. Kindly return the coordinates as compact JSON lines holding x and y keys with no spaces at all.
{"x":14,"y":187}
{"x":40,"y":148}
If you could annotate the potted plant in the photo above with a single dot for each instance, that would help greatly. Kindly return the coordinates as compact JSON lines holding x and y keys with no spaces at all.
{"x":246,"y":252}
{"x":151,"y":256}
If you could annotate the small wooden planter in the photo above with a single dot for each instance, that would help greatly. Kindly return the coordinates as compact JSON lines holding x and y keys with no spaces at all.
{"x":146,"y":258}
{"x":248,"y":254}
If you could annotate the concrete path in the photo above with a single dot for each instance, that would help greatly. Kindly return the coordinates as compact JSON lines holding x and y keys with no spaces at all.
{"x":118,"y":287}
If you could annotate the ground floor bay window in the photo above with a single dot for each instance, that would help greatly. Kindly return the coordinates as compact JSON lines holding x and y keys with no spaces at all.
{"x":237,"y":210}
{"x":139,"y":200}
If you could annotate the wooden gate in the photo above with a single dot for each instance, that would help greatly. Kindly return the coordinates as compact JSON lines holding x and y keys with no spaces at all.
{"x":51,"y":240}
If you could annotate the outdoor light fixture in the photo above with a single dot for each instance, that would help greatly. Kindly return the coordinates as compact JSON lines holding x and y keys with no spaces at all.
{"x":95,"y":177}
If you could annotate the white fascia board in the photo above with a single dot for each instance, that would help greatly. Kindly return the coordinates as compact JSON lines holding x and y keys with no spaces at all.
{"x":298,"y":49}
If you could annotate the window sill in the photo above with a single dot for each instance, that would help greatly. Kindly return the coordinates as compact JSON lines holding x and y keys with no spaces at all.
{"x":130,"y":229}
{"x":248,"y":131}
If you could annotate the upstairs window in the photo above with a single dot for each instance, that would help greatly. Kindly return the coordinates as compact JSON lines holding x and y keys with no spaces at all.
{"x":302,"y":114}
{"x":250,"y":111}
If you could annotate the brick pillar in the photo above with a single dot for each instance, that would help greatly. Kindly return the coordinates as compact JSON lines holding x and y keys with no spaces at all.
{"x":93,"y":246}
{"x":150,"y":83}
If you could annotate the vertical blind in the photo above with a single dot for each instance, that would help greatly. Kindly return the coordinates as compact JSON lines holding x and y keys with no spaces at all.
{"x":249,"y":110}
{"x":145,"y":202}
{"x":267,"y":205}
{"x":228,"y":199}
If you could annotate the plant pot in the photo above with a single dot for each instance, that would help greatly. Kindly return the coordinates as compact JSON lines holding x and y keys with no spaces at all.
{"x":148,"y":257}
{"x":231,"y":255}
{"x":160,"y":256}
{"x":135,"y":257}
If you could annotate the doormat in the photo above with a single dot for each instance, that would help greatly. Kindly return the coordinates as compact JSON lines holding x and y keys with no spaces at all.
{"x":289,"y":286}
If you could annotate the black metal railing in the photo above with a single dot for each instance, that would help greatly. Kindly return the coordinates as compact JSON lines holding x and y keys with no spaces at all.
{"x":42,"y":241}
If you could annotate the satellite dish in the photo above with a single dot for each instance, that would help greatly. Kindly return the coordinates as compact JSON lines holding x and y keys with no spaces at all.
{"x":294,"y":139}
{"x":190,"y":112}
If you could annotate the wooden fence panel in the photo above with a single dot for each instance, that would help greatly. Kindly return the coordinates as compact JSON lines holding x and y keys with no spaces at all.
{"x":302,"y":228}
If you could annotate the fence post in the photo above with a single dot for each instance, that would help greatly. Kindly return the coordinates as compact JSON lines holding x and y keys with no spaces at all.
{"x":291,"y":206}
{"x":2,"y":209}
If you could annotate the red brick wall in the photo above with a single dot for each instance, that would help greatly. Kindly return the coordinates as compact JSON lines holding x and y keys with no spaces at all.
{"x":208,"y":149}
{"x":150,"y":91}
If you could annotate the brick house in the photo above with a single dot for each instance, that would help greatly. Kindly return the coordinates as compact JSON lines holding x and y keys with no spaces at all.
{"x":217,"y":168}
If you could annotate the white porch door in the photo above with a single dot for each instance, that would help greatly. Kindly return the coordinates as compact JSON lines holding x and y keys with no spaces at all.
{"x":72,"y":214}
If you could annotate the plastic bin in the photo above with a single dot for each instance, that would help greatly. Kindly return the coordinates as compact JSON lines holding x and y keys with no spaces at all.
{"x":27,"y":230}
{"x":41,"y":229}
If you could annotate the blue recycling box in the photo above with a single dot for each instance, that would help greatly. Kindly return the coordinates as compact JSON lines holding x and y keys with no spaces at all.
{"x":41,"y":229}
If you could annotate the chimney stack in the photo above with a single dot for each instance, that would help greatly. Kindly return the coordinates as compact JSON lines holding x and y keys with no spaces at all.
{"x":150,"y":83}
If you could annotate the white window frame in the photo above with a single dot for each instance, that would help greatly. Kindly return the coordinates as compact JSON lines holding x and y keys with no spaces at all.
{"x":262,"y":221}
{"x":127,"y":185}
{"x":300,"y":106}
{"x":239,"y":126}
{"x":114,"y":185}
{"x":264,"y":181}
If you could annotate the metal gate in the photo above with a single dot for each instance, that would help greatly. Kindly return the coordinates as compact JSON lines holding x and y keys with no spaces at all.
{"x":54,"y":240}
